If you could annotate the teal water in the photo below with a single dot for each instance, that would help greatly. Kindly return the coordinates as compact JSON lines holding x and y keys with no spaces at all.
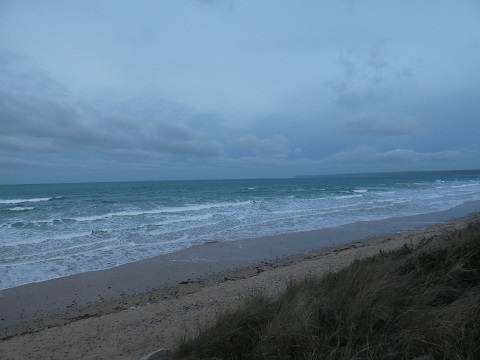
{"x":54,"y":230}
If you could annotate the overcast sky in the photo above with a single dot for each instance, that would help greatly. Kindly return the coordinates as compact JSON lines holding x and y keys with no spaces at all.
{"x":196,"y":89}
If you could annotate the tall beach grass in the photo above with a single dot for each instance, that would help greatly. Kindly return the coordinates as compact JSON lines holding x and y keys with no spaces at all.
{"x":413,"y":303}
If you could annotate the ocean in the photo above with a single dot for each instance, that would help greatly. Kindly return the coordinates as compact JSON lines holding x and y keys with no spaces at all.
{"x":54,"y":230}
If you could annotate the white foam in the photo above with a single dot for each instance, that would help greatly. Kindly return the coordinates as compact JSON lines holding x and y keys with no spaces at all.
{"x":464,"y":185}
{"x":385,"y":193}
{"x":39,"y":240}
{"x":104,"y":236}
{"x":44,"y":255}
{"x":343,"y":197}
{"x":19,"y":201}
{"x":180,"y":220}
{"x":19,"y":208}
{"x":168,"y":210}
{"x":184,"y":229}
{"x":205,"y":206}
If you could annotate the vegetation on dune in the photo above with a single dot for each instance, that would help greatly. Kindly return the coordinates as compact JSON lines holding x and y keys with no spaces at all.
{"x":410,"y":303}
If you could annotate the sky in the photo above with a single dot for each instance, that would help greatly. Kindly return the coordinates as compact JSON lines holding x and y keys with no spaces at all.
{"x":119,"y":90}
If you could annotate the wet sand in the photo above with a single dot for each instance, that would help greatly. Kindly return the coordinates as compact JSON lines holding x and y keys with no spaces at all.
{"x":131,"y":310}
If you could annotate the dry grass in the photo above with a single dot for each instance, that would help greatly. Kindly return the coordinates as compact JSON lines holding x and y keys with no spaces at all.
{"x":422,"y":302}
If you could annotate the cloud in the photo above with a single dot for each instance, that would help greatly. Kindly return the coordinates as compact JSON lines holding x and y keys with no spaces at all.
{"x":381,"y":125}
{"x":272,"y":147}
{"x":20,"y":144}
{"x":156,"y":136}
{"x":182,"y":139}
{"x":21,"y":76}
{"x":398,"y":156}
{"x":46,"y":121}
{"x":220,"y":3}
{"x":360,"y":154}
{"x":16,"y":162}
{"x":319,"y":87}
{"x":36,"y":117}
{"x":369,"y":155}
{"x":368,"y":76}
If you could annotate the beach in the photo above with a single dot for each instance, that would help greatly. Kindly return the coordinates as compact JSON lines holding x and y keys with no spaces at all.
{"x":133,"y":309}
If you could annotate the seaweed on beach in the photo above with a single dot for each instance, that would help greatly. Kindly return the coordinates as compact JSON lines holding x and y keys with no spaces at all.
{"x":421,"y":302}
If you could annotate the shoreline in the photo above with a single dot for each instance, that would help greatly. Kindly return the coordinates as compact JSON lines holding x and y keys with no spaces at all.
{"x":198,"y":262}
{"x":38,"y":309}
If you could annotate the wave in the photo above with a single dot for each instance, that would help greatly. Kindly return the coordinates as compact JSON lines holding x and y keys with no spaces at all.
{"x":170,"y":210}
{"x":40,"y":240}
{"x":20,"y":201}
{"x":61,"y":253}
{"x":176,"y":221}
{"x":19,"y":208}
{"x":360,"y":191}
{"x":385,"y":193}
{"x":343,"y":197}
{"x":464,"y":185}
{"x":204,"y":206}
{"x":20,"y":224}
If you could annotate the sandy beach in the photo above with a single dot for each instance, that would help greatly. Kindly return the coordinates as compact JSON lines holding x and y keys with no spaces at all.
{"x":131,"y":310}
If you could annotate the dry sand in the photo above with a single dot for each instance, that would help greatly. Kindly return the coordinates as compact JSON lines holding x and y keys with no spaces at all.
{"x":130,"y":325}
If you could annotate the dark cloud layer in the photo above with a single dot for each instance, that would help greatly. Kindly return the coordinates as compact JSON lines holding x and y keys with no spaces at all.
{"x":102,"y":91}
{"x":381,"y":125}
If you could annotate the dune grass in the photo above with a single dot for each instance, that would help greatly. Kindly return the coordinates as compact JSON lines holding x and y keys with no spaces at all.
{"x":411,"y":303}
